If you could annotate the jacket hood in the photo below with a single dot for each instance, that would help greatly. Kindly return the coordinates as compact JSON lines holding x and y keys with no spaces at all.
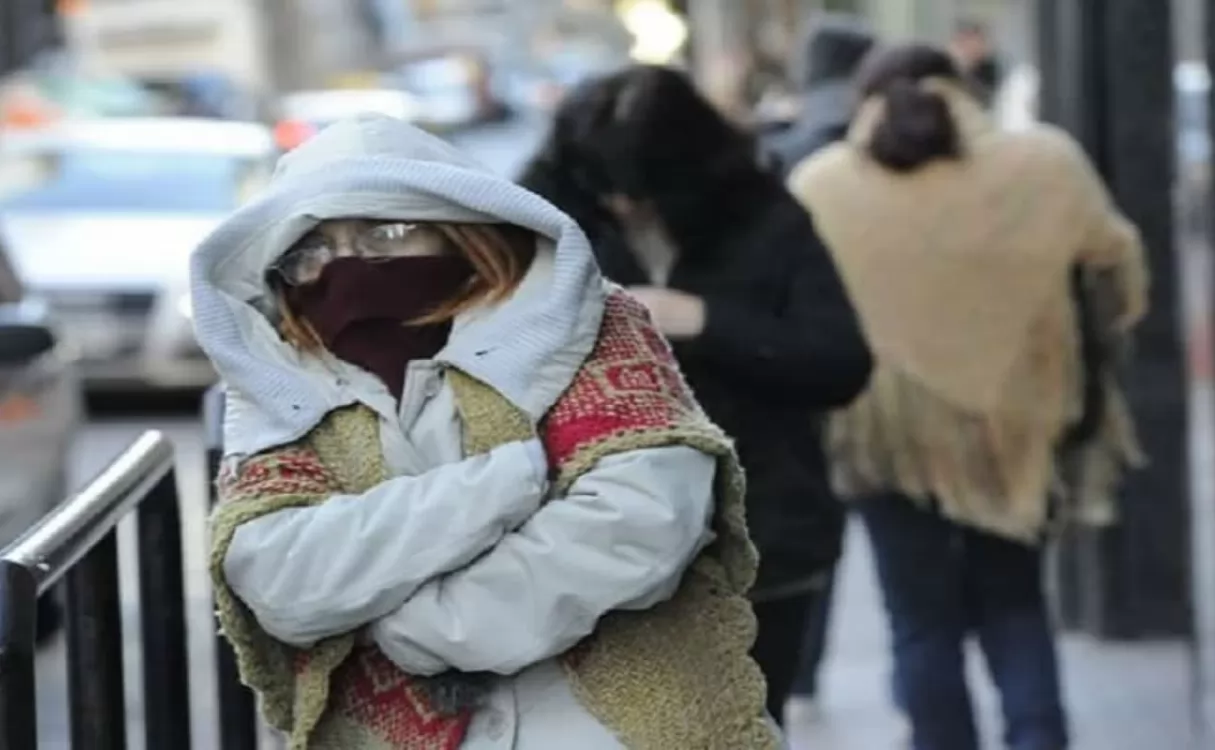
{"x":833,"y":48}
{"x":377,"y":167}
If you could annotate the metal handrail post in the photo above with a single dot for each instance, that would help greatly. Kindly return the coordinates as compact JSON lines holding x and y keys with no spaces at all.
{"x":166,"y":669}
{"x":65,"y":536}
{"x":96,"y":699}
{"x":237,"y":704}
{"x":77,"y":541}
{"x":18,"y":703}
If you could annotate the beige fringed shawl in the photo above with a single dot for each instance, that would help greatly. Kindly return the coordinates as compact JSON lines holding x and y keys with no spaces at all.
{"x":675,"y":676}
{"x":960,"y":274}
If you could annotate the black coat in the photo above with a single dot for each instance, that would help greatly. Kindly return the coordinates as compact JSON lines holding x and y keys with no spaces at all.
{"x":781,"y":346}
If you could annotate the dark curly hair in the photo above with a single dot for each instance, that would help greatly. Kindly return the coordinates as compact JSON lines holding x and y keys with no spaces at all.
{"x":918,"y":126}
{"x":647,"y":133}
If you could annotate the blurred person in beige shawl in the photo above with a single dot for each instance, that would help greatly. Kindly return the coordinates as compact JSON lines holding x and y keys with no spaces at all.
{"x":995,"y":281}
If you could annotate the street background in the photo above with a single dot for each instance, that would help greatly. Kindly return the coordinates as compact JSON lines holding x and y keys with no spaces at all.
{"x":1133,"y":696}
{"x":1134,"y":667}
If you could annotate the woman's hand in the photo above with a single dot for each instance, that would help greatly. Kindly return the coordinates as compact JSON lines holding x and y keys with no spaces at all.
{"x":620,"y":538}
{"x":678,"y":315}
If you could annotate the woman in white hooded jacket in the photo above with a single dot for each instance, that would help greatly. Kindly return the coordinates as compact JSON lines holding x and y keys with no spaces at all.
{"x":467,"y":500}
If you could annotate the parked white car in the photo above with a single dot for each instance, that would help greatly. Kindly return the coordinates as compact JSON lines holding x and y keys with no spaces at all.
{"x":443,"y":91}
{"x":302,"y":114}
{"x":40,"y":411}
{"x":105,"y":234}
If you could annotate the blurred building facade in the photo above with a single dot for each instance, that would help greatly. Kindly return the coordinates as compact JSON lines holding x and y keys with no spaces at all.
{"x":155,"y":39}
{"x":317,"y":42}
{"x":733,"y":39}
{"x":293,"y":44}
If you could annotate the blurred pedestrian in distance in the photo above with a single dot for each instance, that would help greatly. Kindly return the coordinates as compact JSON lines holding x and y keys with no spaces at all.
{"x":833,"y":49}
{"x":678,"y":210}
{"x":467,"y":499}
{"x":974,"y":53}
{"x":959,"y":244}
{"x":835,"y":45}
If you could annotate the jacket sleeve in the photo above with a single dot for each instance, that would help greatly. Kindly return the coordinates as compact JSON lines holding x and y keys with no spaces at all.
{"x":313,"y":572}
{"x":1112,"y":243}
{"x":620,"y":539}
{"x":811,"y":353}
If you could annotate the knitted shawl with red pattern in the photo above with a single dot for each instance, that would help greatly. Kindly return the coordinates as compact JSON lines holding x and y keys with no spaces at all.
{"x":675,"y":676}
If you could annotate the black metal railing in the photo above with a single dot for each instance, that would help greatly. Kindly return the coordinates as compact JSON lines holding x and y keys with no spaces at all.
{"x":77,"y":542}
{"x":237,"y":705}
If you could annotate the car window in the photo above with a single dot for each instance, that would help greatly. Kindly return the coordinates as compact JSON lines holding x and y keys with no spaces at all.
{"x":122,"y":181}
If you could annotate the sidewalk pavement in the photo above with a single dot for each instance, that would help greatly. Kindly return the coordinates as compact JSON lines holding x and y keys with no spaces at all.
{"x":1133,"y":696}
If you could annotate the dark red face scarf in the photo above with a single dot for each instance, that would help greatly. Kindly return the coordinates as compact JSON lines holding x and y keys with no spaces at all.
{"x":361,"y":310}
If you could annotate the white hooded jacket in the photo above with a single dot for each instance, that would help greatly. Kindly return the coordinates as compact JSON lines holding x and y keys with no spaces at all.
{"x":454,"y":562}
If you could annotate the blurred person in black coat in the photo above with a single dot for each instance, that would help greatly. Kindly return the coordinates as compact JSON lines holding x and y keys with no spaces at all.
{"x":678,"y":209}
{"x":834,"y":47}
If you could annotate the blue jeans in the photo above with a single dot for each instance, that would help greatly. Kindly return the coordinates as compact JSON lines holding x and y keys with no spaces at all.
{"x":943,"y":582}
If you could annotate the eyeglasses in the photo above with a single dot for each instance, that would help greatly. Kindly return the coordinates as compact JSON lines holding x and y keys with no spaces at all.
{"x":303,"y":262}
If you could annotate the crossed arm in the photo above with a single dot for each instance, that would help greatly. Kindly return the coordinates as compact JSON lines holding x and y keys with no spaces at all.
{"x":463,"y":567}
